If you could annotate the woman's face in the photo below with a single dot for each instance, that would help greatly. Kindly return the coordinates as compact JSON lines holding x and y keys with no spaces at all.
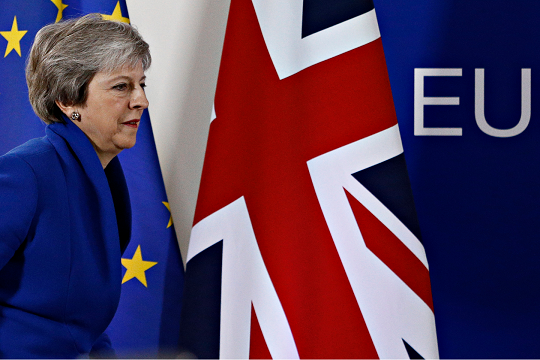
{"x":111,"y":115}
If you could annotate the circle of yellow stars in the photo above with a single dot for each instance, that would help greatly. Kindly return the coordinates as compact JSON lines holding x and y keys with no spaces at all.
{"x":14,"y":36}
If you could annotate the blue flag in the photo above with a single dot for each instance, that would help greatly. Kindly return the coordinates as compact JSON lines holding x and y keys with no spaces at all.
{"x":147,"y":320}
{"x":467,"y":106}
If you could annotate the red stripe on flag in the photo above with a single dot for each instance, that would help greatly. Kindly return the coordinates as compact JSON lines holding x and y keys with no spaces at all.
{"x":257,"y":345}
{"x":391,"y":251}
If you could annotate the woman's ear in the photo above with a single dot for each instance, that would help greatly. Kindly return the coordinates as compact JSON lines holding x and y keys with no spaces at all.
{"x":67,"y":110}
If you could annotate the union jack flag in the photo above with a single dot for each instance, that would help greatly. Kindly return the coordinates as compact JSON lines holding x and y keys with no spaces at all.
{"x":305,"y":241}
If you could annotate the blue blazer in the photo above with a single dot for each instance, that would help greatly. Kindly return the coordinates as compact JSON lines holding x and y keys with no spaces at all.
{"x":64,"y":223}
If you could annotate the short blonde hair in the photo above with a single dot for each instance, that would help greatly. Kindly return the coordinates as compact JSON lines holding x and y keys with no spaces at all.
{"x":66,"y":56}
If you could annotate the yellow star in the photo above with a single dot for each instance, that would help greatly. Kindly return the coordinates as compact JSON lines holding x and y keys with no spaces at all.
{"x":116,"y":15}
{"x":169,"y":208}
{"x":136,"y":267}
{"x":60,"y":7}
{"x":13,"y":37}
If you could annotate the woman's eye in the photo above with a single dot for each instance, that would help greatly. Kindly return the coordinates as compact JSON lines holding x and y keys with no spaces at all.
{"x":120,"y":87}
{"x":143,"y":85}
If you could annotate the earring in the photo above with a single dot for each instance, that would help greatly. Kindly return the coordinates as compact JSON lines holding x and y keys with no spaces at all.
{"x":75,"y":116}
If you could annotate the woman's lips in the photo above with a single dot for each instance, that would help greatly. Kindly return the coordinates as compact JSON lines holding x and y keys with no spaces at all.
{"x":132,"y":123}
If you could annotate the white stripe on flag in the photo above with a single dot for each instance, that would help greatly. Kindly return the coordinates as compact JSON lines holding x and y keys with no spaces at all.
{"x":281,"y":25}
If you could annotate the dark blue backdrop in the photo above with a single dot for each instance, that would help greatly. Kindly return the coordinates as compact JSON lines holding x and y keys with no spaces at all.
{"x":476,"y":195}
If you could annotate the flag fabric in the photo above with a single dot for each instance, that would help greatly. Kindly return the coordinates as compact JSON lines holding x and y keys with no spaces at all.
{"x":305,"y":241}
{"x":147,"y":320}
{"x":476,"y":192}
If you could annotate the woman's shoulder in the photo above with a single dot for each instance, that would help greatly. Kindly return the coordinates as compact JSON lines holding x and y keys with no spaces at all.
{"x":35,"y":157}
{"x":38,"y":147}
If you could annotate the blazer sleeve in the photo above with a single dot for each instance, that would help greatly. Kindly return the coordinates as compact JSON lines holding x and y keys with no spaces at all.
{"x":102,"y":348}
{"x":18,"y":202}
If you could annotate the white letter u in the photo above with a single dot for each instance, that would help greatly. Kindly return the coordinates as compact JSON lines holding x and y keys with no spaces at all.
{"x":525,"y":105}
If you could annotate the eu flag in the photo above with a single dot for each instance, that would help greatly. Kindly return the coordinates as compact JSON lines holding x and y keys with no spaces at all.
{"x":147,"y":320}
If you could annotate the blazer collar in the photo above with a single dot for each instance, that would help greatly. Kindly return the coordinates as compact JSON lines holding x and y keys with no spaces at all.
{"x":111,"y":179}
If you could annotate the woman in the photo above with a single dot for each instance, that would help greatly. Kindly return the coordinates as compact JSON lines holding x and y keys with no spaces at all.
{"x":65,"y":215}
